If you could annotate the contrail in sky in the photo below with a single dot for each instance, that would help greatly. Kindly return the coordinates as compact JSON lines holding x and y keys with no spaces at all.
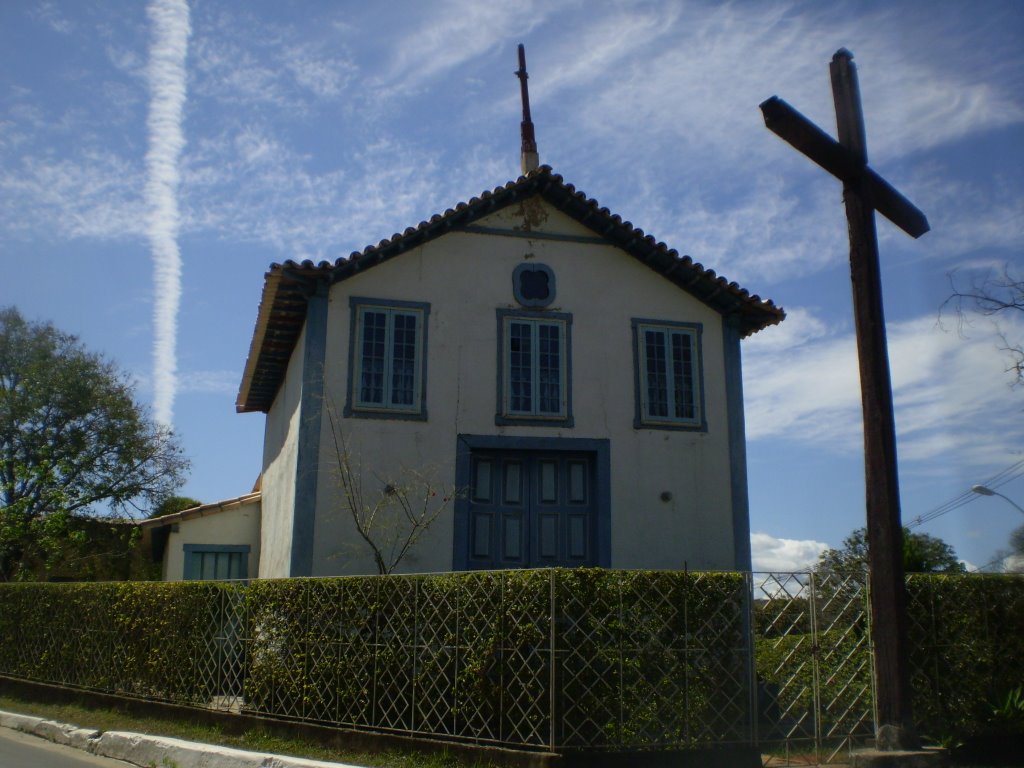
{"x":166,"y":75}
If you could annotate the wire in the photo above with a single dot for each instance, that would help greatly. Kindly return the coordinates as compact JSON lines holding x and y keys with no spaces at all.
{"x":990,"y":563}
{"x":1008,"y":475}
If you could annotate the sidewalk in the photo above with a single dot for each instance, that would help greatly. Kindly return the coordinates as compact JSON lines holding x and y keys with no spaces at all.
{"x":144,"y":750}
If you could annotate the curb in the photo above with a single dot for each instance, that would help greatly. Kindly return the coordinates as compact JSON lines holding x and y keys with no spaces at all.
{"x":144,"y":750}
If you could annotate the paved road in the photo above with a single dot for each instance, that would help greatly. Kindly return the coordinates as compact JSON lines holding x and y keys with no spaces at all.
{"x":19,"y":750}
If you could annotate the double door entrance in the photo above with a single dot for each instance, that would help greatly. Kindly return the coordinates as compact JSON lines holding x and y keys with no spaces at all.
{"x":529,"y":509}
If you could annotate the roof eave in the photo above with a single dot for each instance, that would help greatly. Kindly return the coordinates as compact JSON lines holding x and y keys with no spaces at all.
{"x":260,"y":382}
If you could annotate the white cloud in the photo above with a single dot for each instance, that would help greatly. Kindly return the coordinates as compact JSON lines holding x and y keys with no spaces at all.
{"x":224,"y":382}
{"x":167,"y":78}
{"x":801,"y":326}
{"x":325,"y":76}
{"x":253,"y":188}
{"x":725,"y":59}
{"x":965,"y":217}
{"x":771,"y":553}
{"x":742,"y":200}
{"x":93,"y":195}
{"x":452,"y":33}
{"x":246,"y":62}
{"x":49,"y":14}
{"x":952,"y":396}
{"x":597,"y":48}
{"x":234,"y":75}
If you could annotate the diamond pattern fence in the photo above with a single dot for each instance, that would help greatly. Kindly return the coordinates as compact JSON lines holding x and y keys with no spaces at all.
{"x":813,"y":661}
{"x":552,"y":659}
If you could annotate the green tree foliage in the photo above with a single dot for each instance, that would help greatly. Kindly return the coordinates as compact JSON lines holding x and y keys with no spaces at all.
{"x":921,"y":554}
{"x":174,"y":504}
{"x":72,"y":439}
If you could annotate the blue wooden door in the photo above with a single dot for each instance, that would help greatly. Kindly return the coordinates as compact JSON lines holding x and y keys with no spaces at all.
{"x":530,"y":509}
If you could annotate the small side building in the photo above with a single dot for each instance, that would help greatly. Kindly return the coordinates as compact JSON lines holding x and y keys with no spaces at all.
{"x":211,"y":541}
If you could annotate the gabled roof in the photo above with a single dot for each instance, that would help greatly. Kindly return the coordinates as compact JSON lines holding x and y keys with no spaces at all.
{"x":282,"y":310}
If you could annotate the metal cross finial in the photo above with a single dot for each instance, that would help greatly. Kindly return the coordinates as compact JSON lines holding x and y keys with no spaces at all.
{"x":530,"y":160}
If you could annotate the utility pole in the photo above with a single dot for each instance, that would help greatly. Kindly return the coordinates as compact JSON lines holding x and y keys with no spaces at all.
{"x":864,"y":192}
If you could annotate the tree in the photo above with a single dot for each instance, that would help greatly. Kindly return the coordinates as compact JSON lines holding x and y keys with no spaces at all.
{"x":1017,"y":541}
{"x":390,"y":514}
{"x":1013,"y":561}
{"x":922,"y":553}
{"x":72,"y":440}
{"x":993,"y":295}
{"x":174,"y":504}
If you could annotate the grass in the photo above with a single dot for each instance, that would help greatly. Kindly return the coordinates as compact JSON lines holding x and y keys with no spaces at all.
{"x":258,"y":740}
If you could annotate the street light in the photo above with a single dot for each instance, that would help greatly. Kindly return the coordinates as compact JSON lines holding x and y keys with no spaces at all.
{"x":983,"y":490}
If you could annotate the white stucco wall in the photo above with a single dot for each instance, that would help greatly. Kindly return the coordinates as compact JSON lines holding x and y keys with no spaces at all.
{"x":466,"y":278}
{"x":238,"y":524}
{"x":280,"y":452}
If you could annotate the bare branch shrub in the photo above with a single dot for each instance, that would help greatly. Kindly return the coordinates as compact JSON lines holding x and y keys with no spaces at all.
{"x":390,"y":512}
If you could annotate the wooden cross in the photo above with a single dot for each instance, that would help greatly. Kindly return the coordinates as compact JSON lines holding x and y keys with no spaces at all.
{"x":865,"y":192}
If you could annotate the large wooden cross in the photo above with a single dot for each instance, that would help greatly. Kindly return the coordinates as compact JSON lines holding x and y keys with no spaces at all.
{"x":865,"y":192}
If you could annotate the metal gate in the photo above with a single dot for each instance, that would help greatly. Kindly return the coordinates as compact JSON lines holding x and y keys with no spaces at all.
{"x":814,"y":670}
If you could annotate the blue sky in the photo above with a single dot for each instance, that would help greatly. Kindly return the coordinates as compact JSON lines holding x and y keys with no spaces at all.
{"x":154,"y":162}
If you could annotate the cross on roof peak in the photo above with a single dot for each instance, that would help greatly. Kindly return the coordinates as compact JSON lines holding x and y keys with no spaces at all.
{"x":529,"y":159}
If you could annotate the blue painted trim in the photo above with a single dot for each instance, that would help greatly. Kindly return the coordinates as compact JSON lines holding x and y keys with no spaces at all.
{"x":533,"y":267}
{"x":189,"y":574}
{"x":501,"y":418}
{"x":362,"y":412}
{"x":638,"y":415}
{"x":310,"y":412}
{"x":737,"y":442}
{"x":601,"y":448}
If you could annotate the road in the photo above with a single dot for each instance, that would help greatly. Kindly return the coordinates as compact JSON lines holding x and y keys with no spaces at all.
{"x":19,"y":750}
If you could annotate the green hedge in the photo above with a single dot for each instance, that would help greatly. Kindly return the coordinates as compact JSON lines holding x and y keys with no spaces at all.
{"x":966,"y":657}
{"x":554,"y":658}
{"x":582,"y":659}
{"x":147,"y":639}
{"x":967,"y":636}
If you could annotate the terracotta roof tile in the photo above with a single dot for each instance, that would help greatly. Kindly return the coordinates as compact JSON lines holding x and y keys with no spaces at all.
{"x":282,"y":308}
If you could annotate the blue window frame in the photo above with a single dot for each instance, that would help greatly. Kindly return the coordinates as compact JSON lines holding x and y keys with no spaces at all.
{"x":207,"y":562}
{"x":387,"y":359}
{"x":534,"y":368}
{"x":667,"y":374}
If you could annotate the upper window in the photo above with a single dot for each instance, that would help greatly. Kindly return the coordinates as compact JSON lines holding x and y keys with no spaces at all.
{"x":205,"y":562}
{"x":669,"y":393}
{"x":533,"y":368}
{"x":387,"y":359}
